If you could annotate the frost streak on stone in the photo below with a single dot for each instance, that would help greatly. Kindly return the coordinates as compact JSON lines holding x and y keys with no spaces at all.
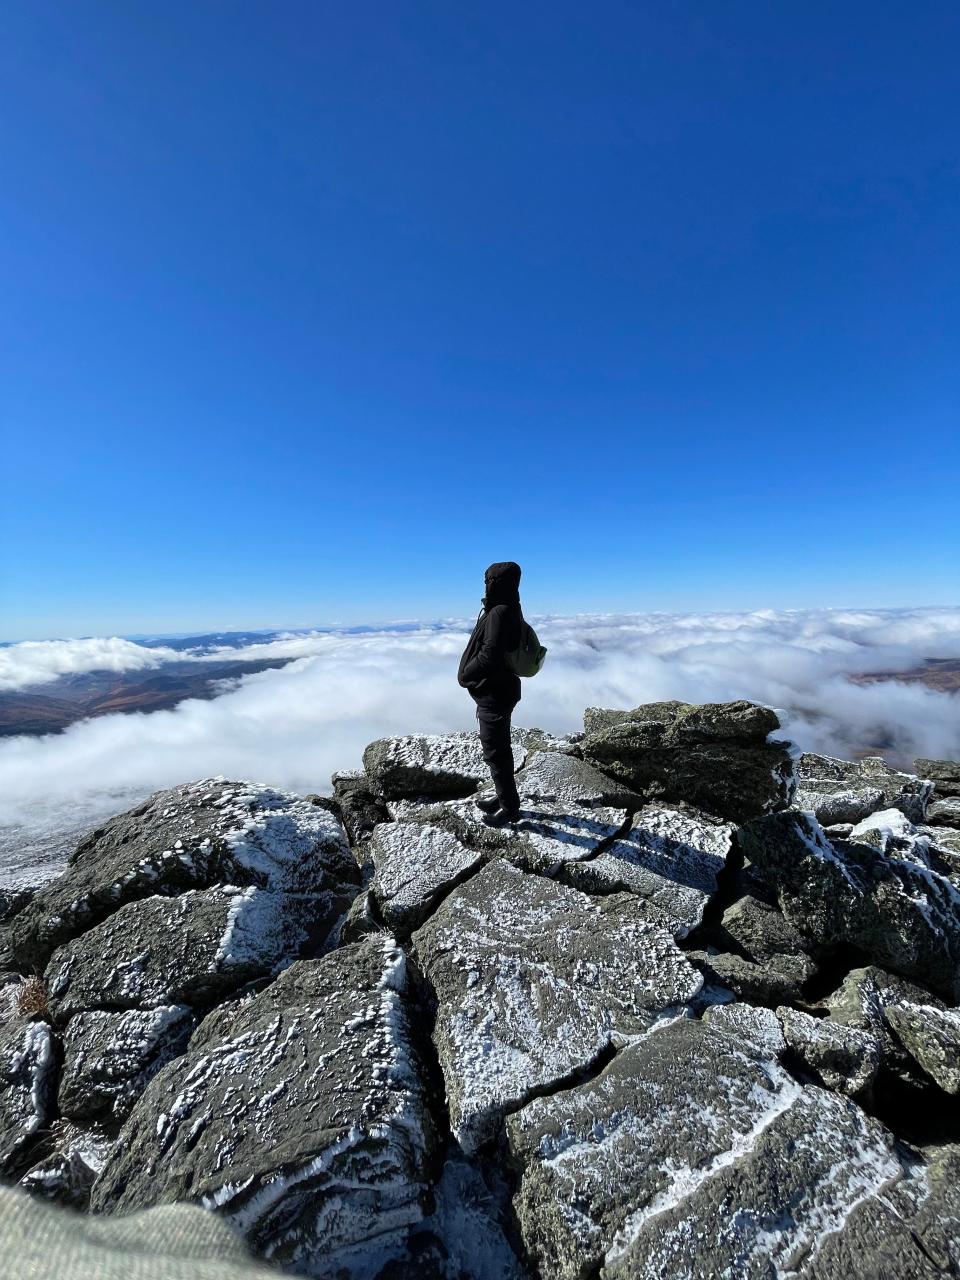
{"x":27,"y":1076}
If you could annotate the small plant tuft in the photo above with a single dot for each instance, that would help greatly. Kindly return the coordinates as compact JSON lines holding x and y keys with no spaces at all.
{"x":32,"y":999}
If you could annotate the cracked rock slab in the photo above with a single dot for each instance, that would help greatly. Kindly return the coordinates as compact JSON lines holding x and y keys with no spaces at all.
{"x":912,"y":1232}
{"x":693,"y":1154}
{"x":193,"y":949}
{"x":533,"y":981}
{"x":546,"y":837}
{"x":110,"y":1058}
{"x":415,"y":864}
{"x":903,"y":915}
{"x":301,"y":1118}
{"x":188,"y":837}
{"x":670,"y":858}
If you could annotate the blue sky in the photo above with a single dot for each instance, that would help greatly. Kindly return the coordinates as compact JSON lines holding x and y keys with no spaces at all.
{"x":310,"y":310}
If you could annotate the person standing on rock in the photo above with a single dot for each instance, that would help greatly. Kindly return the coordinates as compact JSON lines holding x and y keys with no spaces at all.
{"x":494,"y":686}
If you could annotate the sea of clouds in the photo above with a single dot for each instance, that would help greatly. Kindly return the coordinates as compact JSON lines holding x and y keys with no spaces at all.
{"x":294,"y":726}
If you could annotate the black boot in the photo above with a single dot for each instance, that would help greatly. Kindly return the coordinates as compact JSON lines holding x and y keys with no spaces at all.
{"x":490,"y":805}
{"x":501,"y":817}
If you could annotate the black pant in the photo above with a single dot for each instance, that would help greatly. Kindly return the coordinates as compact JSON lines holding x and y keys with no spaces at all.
{"x":494,"y":722}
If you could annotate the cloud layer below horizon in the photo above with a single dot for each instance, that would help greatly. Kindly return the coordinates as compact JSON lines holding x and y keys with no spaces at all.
{"x":294,"y":726}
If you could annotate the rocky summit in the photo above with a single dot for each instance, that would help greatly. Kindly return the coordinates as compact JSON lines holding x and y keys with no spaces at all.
{"x":694,"y":1015}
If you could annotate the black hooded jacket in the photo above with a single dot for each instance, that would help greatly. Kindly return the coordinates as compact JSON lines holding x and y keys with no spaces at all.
{"x":483,"y":667}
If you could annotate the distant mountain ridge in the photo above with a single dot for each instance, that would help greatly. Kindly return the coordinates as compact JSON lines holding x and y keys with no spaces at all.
{"x":100,"y":693}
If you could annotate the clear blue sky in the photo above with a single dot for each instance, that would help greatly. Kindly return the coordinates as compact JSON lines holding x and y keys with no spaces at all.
{"x":311,"y":310}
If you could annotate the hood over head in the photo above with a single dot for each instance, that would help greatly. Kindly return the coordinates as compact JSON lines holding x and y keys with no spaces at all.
{"x":502,"y":582}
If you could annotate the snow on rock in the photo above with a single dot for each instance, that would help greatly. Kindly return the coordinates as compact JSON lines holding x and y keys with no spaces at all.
{"x":467,"y":1233}
{"x":436,"y":764}
{"x":902,"y":915}
{"x":845,"y":1058}
{"x":834,"y":808}
{"x":547,"y":836}
{"x":110,"y":1058}
{"x":865,"y":995}
{"x":826,"y":775}
{"x":553,"y":775}
{"x":768,"y":1214}
{"x":415,"y":864}
{"x":932,"y":1037}
{"x":191,"y":836}
{"x":945,"y":812}
{"x":72,"y":1159}
{"x":533,"y":980}
{"x":192,"y":949}
{"x":693,"y":1154}
{"x":911,"y":1232}
{"x":753,"y":1023}
{"x":28,"y":1079}
{"x":669,"y":857}
{"x":299,"y":1115}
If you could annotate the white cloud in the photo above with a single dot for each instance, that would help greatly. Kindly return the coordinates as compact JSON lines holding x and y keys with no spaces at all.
{"x":294,"y":726}
{"x":33,"y":662}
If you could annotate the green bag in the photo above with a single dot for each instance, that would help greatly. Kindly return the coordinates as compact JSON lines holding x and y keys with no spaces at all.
{"x":528,"y":658}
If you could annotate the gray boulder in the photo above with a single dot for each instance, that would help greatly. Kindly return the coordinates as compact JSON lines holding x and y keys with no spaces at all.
{"x":944,"y":774}
{"x":865,"y":995}
{"x":903,"y":916}
{"x":839,"y":808}
{"x":193,"y":949}
{"x":568,"y":780}
{"x":845,"y":1058}
{"x":945,"y":813}
{"x":670,"y":857}
{"x":770,"y":983}
{"x":28,"y":1077}
{"x":300,"y":1117}
{"x":436,"y":764}
{"x":110,"y":1058}
{"x":361,"y":804}
{"x":719,"y":757}
{"x":69,"y":1161}
{"x":932,"y":1037}
{"x":827,"y":775}
{"x":534,"y":981}
{"x":188,"y":837}
{"x":766,"y":935}
{"x":694,"y":1153}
